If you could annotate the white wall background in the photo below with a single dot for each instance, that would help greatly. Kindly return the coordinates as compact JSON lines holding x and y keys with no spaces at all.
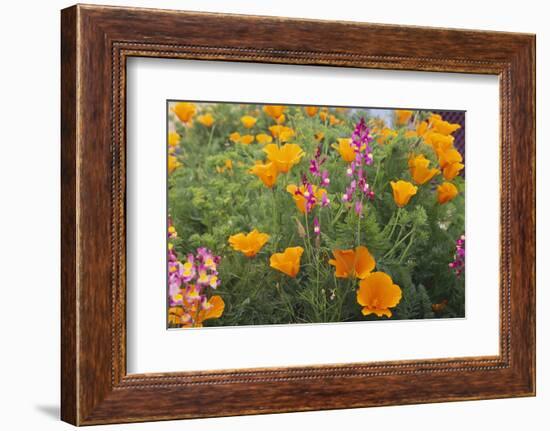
{"x":29,"y":214}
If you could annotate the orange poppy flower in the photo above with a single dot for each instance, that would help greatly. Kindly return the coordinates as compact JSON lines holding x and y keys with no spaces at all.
{"x":267,"y":172}
{"x":206,"y":120}
{"x":311,"y":111}
{"x":213,"y":309}
{"x":441,"y":126}
{"x":450,"y":161}
{"x":263,"y":138}
{"x":377,"y":294}
{"x":434,"y":117}
{"x":422,"y":128}
{"x":438,"y":141}
{"x":173,"y":139}
{"x":402,"y":116}
{"x":403,"y":191}
{"x":345,"y":149}
{"x":184,"y":111}
{"x":248,"y":244}
{"x":235,"y":137}
{"x":178,"y":316}
{"x":275,"y":112}
{"x":248,"y":121}
{"x":352,"y":263}
{"x":173,"y":163}
{"x":287,"y":262}
{"x":447,"y":157}
{"x":420,"y":172}
{"x":452,"y":170}
{"x":300,"y":199}
{"x":446,"y":192}
{"x":319,"y":136}
{"x":284,"y":157}
{"x":385,"y":135}
{"x":187,"y":316}
{"x":333,"y":120}
{"x":246,"y":139}
{"x":283,"y":133}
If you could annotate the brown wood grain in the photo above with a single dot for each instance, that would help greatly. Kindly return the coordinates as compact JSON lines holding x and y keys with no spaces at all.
{"x":96,"y":41}
{"x":68,"y":218}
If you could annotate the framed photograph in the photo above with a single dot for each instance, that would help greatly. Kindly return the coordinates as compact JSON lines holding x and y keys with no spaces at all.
{"x":258,"y":224}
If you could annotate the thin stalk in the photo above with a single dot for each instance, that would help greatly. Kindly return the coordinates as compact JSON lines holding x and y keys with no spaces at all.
{"x":398,"y":213}
{"x":400,"y":232}
{"x":389,"y":253}
{"x":407,"y":248}
{"x":210,"y":137}
{"x":307,"y":241}
{"x":338,"y":297}
{"x":317,"y":279}
{"x":313,"y":261}
{"x":376,"y":175}
{"x":338,"y":214}
{"x":359,"y":224}
{"x":275,"y":217}
{"x":286,"y":302}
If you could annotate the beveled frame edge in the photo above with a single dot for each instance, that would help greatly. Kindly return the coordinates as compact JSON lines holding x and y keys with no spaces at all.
{"x":96,"y":41}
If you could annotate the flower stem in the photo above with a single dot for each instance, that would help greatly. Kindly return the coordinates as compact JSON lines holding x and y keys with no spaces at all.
{"x":400,"y":232}
{"x":376,"y":174}
{"x":338,"y":215}
{"x":307,"y":230}
{"x":395,"y":222}
{"x":407,"y":248}
{"x":359,"y":224}
{"x":398,"y":243}
{"x":210,"y":137}
{"x":286,"y":302}
{"x":308,"y":238}
{"x":275,"y":218}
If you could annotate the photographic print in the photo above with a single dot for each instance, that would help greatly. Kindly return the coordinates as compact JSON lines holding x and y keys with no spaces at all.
{"x":289,"y":214}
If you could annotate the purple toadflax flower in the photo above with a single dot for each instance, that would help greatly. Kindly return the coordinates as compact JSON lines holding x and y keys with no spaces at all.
{"x":358,"y":188}
{"x":458,"y":264}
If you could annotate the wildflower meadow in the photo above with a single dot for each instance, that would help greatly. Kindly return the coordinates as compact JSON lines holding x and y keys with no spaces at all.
{"x":306,"y":214}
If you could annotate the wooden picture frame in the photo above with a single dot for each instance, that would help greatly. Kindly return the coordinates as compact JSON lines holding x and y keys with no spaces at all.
{"x":95,"y":42}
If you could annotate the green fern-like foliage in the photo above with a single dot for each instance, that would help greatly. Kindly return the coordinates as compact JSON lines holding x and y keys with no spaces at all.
{"x":416,"y":303}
